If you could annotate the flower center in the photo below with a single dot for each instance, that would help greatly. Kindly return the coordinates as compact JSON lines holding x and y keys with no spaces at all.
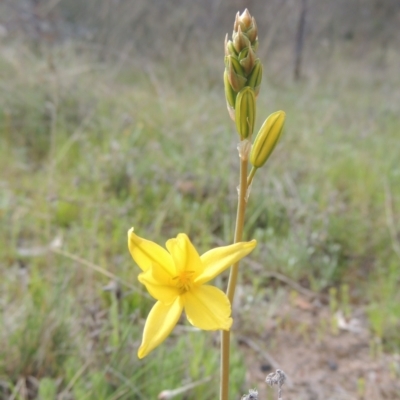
{"x":184,"y":281}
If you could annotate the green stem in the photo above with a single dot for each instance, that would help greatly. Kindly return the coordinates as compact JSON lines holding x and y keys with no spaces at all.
{"x":251,"y":176}
{"x":225,"y":335}
{"x":239,"y":227}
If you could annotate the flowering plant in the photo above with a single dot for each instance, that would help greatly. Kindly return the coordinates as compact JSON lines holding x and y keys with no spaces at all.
{"x":177,"y":276}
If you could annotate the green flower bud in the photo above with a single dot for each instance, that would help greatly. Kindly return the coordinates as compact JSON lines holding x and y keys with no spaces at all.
{"x":240,"y":40}
{"x":255,"y":45}
{"x":230,"y":96}
{"x":243,"y":20}
{"x":247,"y":25}
{"x":245,"y":112}
{"x":229,"y":47}
{"x":235,"y":73}
{"x":267,"y":138}
{"x":247,"y":59}
{"x":254,"y":80}
{"x":252,"y":32}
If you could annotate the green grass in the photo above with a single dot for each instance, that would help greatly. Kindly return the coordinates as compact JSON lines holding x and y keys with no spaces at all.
{"x":86,"y":152}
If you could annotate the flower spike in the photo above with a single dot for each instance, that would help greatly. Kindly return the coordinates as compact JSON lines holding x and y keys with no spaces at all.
{"x":242,"y":67}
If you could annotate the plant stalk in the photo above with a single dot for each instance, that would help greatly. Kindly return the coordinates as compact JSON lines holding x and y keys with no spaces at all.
{"x":225,"y":335}
{"x":251,"y":176}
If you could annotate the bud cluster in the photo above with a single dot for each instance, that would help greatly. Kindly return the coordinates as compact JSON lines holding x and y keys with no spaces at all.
{"x":242,"y":80}
{"x":243,"y":73}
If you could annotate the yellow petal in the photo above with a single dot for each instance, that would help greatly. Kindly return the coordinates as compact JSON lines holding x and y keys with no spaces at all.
{"x":159,"y":284}
{"x":147,"y":253}
{"x":159,"y":324}
{"x":208,"y":308}
{"x":185,"y":256}
{"x":178,"y":251}
{"x":217,"y":260}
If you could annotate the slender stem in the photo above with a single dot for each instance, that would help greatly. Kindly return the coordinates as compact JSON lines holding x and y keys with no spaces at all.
{"x":239,"y":226}
{"x":251,"y":176}
{"x":224,"y":366}
{"x":225,"y":335}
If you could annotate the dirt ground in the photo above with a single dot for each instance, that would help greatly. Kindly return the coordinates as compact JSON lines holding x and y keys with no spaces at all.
{"x":325,"y":356}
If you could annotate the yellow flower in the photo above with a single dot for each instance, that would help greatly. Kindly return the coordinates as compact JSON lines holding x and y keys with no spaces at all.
{"x":176,"y":279}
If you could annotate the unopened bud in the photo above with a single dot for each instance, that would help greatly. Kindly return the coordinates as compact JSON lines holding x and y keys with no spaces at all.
{"x":245,"y":112}
{"x":235,"y":73}
{"x":240,"y":40}
{"x":229,"y":47}
{"x":254,"y":80}
{"x":255,"y":45}
{"x":230,"y":96}
{"x":252,"y":32}
{"x":245,"y":18}
{"x":247,"y":59}
{"x":226,"y":45}
{"x":267,"y":138}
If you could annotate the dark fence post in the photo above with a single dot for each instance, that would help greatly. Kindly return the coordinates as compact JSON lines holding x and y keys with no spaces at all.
{"x":298,"y":52}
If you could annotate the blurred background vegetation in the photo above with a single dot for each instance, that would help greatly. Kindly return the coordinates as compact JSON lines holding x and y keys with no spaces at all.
{"x":112,"y":115}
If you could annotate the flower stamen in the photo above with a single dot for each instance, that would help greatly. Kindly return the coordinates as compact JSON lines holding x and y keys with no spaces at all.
{"x":184,"y":281}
